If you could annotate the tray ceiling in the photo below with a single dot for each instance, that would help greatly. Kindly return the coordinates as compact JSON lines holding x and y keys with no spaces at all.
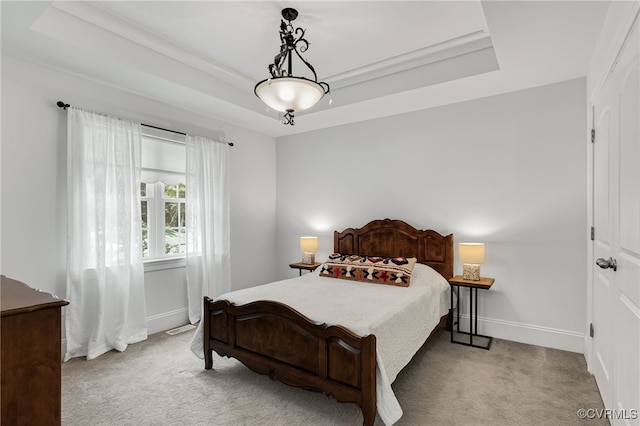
{"x":380,"y":58}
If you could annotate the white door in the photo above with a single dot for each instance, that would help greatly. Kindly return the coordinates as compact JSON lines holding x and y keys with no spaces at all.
{"x":616,"y":260}
{"x":603,"y":279}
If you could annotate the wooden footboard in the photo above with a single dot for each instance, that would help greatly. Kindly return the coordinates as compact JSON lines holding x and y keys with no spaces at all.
{"x":276,"y":340}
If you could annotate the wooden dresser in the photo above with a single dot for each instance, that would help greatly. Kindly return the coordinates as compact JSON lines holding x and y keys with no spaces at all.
{"x":30,"y":355}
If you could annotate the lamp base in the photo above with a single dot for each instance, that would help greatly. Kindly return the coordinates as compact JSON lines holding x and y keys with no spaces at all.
{"x":308,"y":258}
{"x":471,"y":271}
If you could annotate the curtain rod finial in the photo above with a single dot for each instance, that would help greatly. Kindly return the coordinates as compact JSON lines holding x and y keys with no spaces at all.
{"x":63,"y":105}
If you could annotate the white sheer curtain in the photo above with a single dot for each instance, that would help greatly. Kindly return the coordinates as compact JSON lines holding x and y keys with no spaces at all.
{"x":105,"y":274}
{"x":207,"y":205}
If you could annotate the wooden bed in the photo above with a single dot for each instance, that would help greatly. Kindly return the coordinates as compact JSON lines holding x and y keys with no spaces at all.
{"x":274,"y":339}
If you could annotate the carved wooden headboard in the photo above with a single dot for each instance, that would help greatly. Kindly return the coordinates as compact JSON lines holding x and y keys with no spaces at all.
{"x":392,"y":238}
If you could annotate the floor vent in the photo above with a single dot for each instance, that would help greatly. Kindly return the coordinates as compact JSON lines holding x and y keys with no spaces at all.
{"x":179,"y":330}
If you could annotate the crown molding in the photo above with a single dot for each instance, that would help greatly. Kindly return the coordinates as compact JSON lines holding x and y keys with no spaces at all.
{"x":469,"y":43}
{"x":116,"y":24}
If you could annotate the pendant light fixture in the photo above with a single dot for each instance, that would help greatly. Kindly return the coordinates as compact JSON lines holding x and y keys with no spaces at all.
{"x":283,"y":91}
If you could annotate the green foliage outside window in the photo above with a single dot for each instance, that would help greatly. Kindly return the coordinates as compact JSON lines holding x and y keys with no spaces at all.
{"x":173,"y":199}
{"x":174,"y":223}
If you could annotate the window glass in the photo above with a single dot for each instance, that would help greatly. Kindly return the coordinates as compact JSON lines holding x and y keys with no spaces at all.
{"x":164,"y":234}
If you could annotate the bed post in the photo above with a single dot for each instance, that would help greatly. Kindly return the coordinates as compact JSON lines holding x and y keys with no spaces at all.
{"x":368,"y":405}
{"x":206,"y":334}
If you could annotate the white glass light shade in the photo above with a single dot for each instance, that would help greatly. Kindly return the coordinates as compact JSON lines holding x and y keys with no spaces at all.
{"x":289,"y":93}
{"x":308,"y":244}
{"x":471,"y":253}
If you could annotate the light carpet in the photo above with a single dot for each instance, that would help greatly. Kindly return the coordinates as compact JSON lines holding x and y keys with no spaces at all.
{"x":160,"y":382}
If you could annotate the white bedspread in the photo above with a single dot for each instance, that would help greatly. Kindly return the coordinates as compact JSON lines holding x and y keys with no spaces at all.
{"x":401,"y":318}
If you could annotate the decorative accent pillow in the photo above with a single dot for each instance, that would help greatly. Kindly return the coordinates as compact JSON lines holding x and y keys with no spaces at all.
{"x":373,"y":269}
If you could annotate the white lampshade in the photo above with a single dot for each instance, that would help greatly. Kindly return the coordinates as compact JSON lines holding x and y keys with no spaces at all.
{"x":471,"y":253}
{"x":289,"y":93}
{"x":308,"y":244}
{"x":308,"y":247}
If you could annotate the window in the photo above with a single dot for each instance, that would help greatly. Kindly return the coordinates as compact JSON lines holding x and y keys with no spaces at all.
{"x":162,"y":192}
{"x":164,"y":232}
{"x":175,"y":232}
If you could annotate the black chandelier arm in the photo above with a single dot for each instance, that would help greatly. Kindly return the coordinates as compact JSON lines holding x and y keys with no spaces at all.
{"x":315,"y":76}
{"x":325,"y":86}
{"x":275,"y":69}
{"x":290,"y":43}
{"x":301,"y":39}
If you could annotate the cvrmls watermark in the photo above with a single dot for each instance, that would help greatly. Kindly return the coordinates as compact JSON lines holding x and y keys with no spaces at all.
{"x":604,"y":413}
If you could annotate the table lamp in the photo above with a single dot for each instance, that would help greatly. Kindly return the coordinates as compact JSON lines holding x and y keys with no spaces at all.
{"x":308,"y":247}
{"x":472,"y":256}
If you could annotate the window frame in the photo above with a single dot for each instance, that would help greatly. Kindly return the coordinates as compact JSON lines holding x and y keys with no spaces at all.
{"x":156,"y":226}
{"x":156,"y":258}
{"x":161,"y":205}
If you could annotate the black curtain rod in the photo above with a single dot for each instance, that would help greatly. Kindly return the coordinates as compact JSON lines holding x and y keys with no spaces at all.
{"x":64,"y":106}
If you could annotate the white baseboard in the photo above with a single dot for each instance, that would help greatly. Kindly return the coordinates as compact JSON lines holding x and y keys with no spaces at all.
{"x":167,"y":320}
{"x":508,"y":330}
{"x":155,"y":324}
{"x":528,"y":333}
{"x":588,"y":345}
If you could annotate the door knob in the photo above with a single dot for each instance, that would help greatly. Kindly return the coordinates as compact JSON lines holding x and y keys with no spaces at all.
{"x":609,"y":263}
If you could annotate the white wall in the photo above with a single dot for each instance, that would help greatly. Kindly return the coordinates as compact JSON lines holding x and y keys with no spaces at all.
{"x":34,"y":184}
{"x":507,"y":170}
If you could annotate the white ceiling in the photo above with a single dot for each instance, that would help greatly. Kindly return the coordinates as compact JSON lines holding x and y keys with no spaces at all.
{"x":380,"y":57}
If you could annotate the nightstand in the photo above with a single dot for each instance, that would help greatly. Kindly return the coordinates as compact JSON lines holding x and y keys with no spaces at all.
{"x":473,"y":286}
{"x":304,"y":266}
